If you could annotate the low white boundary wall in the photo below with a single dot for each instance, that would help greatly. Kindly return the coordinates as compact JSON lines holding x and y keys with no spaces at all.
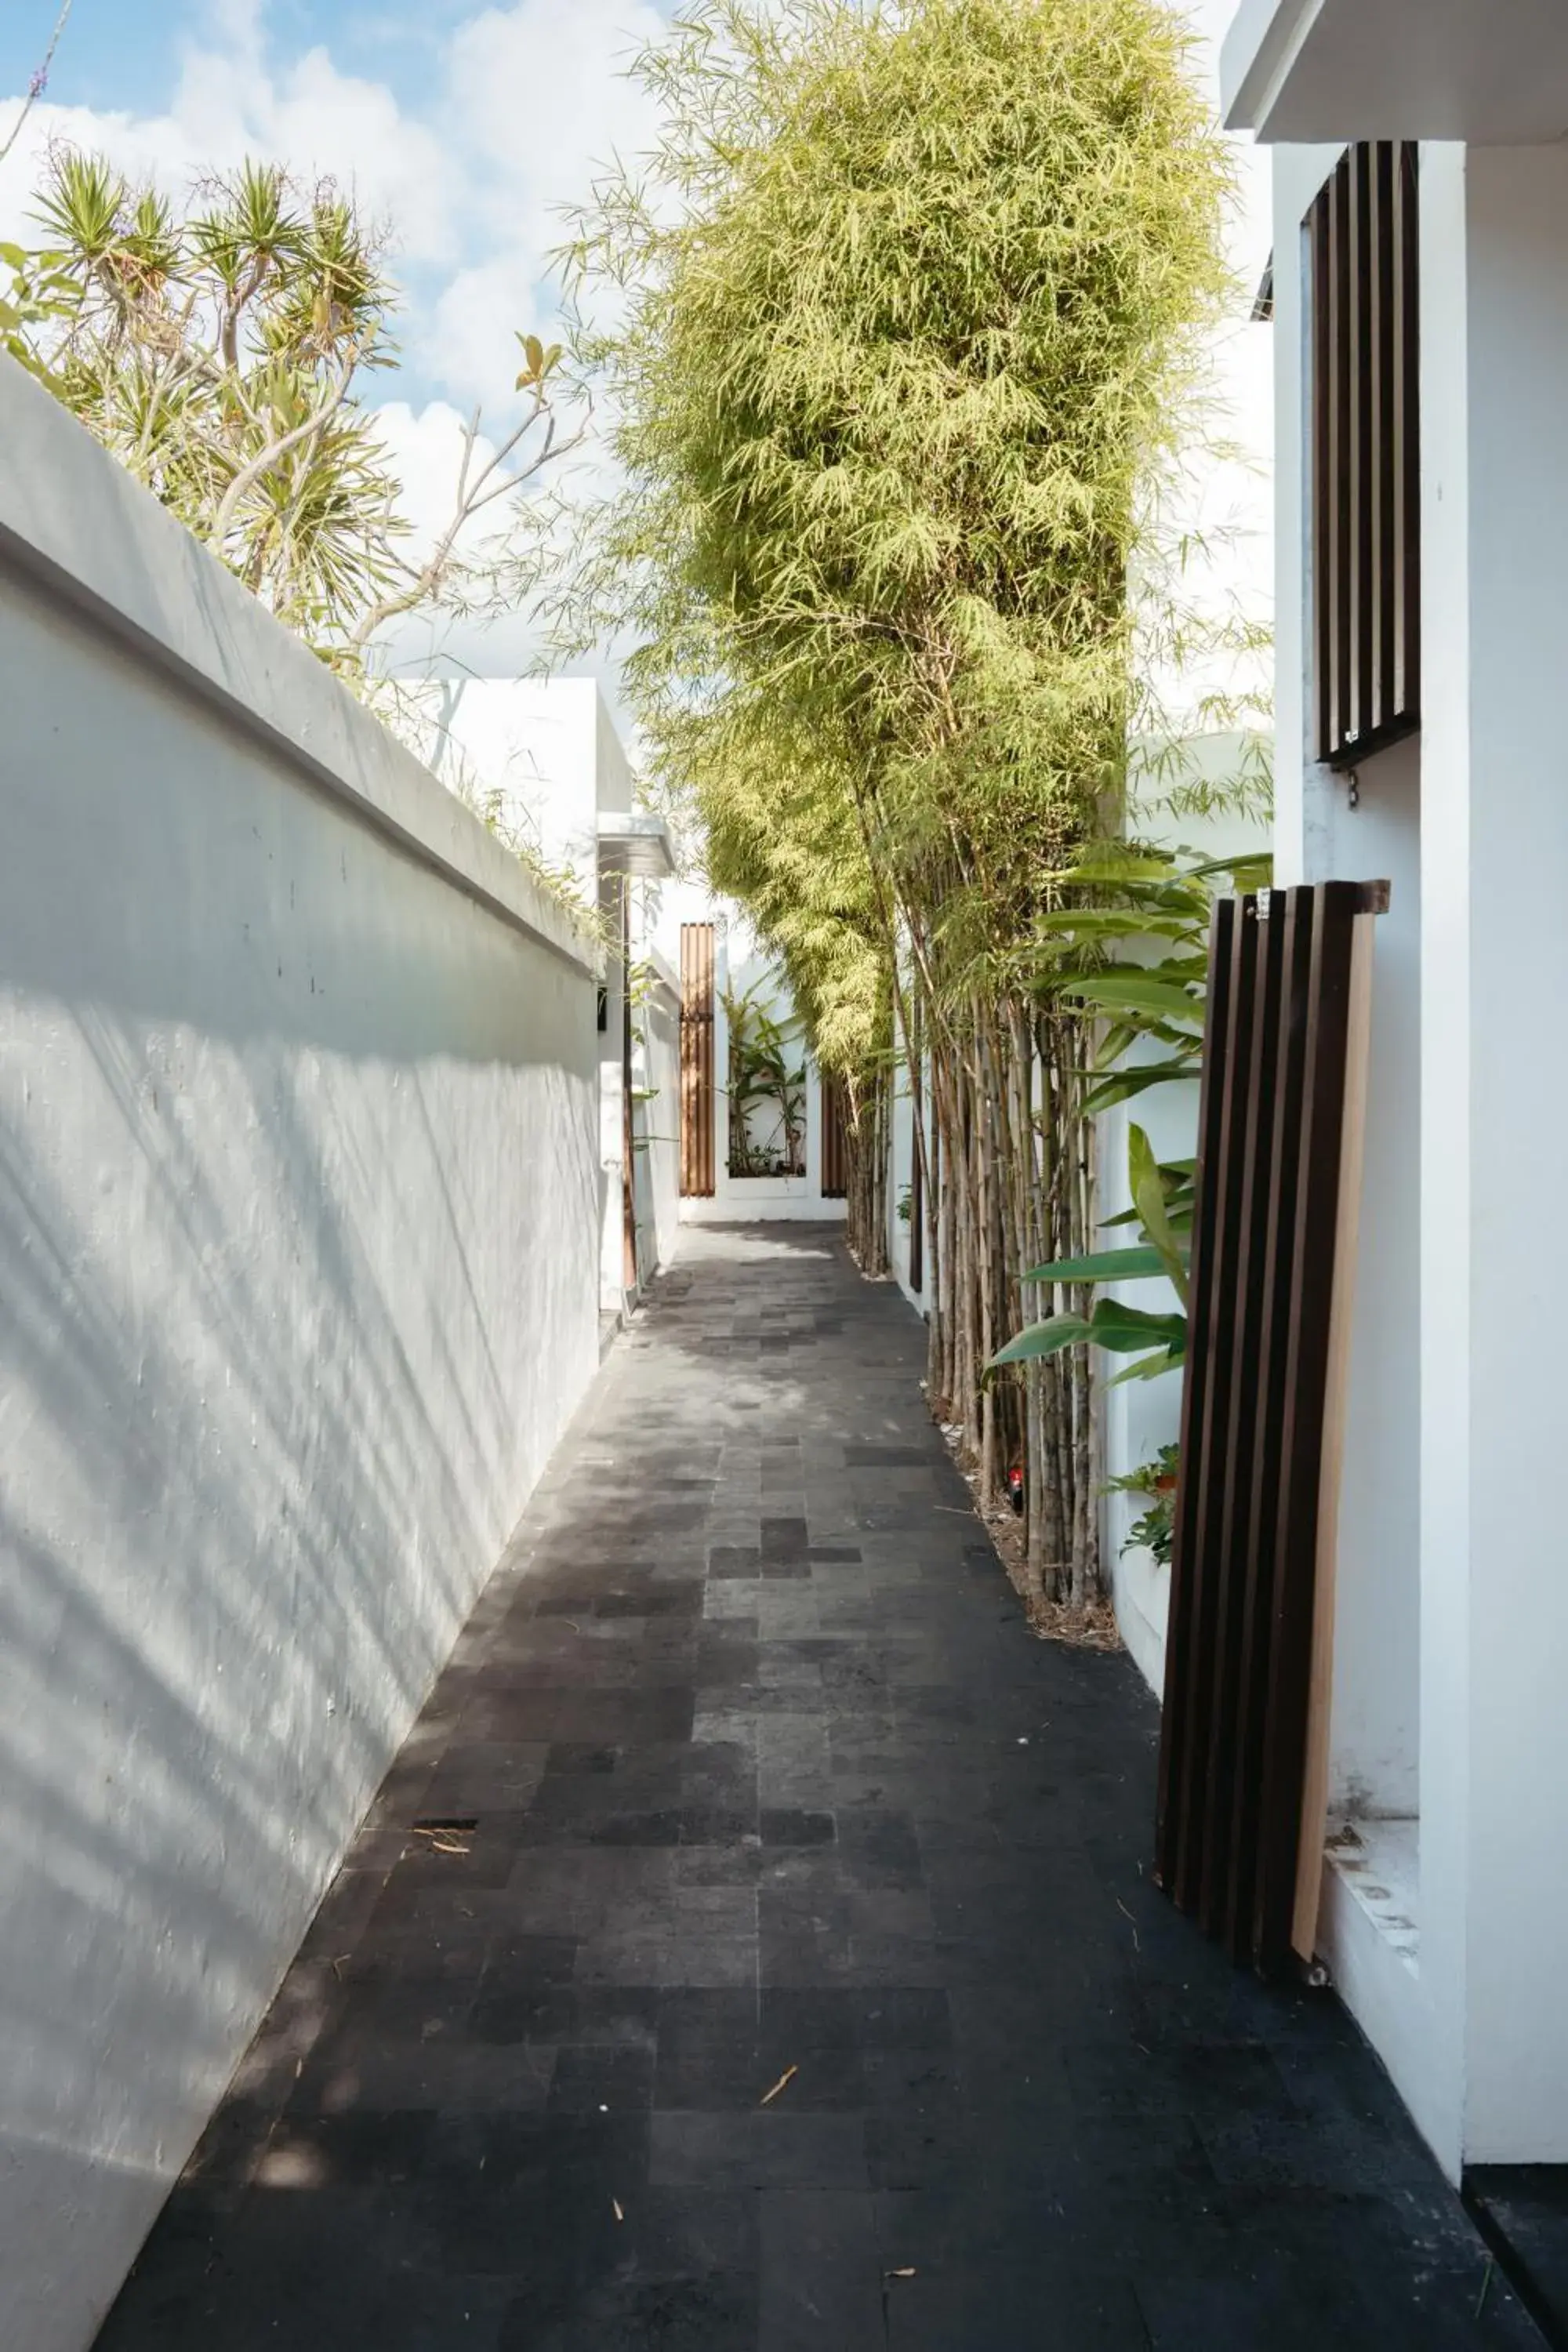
{"x":299,"y":1261}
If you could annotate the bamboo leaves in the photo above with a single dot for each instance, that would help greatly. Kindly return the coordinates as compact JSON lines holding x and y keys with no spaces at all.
{"x":906,"y":302}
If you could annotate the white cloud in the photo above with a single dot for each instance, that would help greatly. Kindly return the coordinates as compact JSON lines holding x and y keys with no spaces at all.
{"x":528,"y":103}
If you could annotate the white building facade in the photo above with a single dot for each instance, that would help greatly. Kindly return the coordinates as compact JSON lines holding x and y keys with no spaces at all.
{"x":1446,"y":1903}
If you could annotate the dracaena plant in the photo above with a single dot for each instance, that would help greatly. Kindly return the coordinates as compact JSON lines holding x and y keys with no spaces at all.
{"x":221,"y":351}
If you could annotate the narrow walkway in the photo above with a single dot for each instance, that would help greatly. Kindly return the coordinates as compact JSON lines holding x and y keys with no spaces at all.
{"x":789,"y":1980}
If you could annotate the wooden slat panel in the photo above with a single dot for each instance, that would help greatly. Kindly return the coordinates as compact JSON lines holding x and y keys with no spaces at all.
{"x":1339,"y":457}
{"x":835,"y":1142}
{"x":1406,"y":482}
{"x":1290,"y":925}
{"x":1283,"y":1756}
{"x":1347,"y":1222}
{"x":1181,"y":1718}
{"x":697,"y":1095}
{"x":1207,"y":1692}
{"x":1273,"y":1244}
{"x":1363,"y":255}
{"x":917,"y":1208}
{"x":1254,"y":1222}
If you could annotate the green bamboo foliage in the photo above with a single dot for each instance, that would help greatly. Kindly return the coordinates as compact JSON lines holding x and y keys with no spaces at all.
{"x":909,"y":304}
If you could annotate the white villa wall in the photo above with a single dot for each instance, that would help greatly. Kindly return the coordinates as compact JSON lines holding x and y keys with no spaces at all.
{"x":1138,"y":1417}
{"x":1494,"y":1129}
{"x":1320,"y":835}
{"x":1377,"y":1761}
{"x":541,"y":753}
{"x":539,"y":759}
{"x":655,"y":1078}
{"x":1451,"y":1611}
{"x":901,"y":1189}
{"x":298,"y":1250}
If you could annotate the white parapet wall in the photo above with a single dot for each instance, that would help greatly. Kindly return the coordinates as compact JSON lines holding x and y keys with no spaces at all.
{"x":299,"y":1250}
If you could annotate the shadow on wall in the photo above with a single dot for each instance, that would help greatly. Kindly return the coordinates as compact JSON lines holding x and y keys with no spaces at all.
{"x":236,"y":1541}
{"x":297,"y":1164}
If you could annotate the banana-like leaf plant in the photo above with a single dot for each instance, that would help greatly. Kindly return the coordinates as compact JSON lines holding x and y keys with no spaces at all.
{"x":1162,"y":1210}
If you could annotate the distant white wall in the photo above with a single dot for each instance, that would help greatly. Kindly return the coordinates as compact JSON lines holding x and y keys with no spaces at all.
{"x":539,"y":754}
{"x":297,"y":1255}
{"x":656,"y":1115}
{"x":740,"y":964}
{"x":541,"y":761}
{"x":902,"y":1144}
{"x":1138,"y":1417}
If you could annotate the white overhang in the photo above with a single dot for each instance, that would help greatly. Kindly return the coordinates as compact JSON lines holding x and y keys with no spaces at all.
{"x":635,"y":844}
{"x":1492,"y":72}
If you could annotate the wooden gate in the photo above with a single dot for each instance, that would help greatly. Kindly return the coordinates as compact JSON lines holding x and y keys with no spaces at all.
{"x":1244,"y":1740}
{"x":696,"y":1103}
{"x":835,"y":1140}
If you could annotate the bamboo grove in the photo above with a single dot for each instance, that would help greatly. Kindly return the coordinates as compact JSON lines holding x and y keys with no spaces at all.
{"x":907,"y":312}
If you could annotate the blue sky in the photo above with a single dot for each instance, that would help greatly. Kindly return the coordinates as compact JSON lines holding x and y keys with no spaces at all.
{"x":124,"y":53}
{"x":463,"y":126}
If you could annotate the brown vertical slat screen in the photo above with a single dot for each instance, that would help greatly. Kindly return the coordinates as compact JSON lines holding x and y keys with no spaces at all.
{"x":917,"y":1208}
{"x":696,"y":1101}
{"x":835,"y":1142}
{"x":1364,"y":242}
{"x":1241,"y":1749}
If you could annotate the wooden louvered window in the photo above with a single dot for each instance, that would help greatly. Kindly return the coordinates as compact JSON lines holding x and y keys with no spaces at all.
{"x":697,"y":1096}
{"x":1364,"y":244}
{"x":835,"y":1140}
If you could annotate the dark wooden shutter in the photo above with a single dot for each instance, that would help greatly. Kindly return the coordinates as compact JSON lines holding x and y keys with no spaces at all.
{"x":1364,"y":238}
{"x":835,"y":1140}
{"x":916,"y":1204}
{"x":1243,"y":1750}
{"x":697,"y":1061}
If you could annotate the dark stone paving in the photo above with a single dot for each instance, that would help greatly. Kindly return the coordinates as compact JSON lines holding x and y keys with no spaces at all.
{"x":765,"y":1777}
{"x":1523,"y":2210}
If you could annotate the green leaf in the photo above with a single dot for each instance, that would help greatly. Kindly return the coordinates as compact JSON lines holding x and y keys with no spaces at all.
{"x":1103,"y":1266}
{"x":1146,"y":1183}
{"x":1105,"y":865}
{"x":1123,"y":1085}
{"x":1149,"y":1368}
{"x":1113,"y":1325}
{"x":1047,"y":1339}
{"x":1121,"y":1328}
{"x":1118,"y":991}
{"x":1117,"y":922}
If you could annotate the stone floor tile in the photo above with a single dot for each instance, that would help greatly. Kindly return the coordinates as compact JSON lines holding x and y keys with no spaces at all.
{"x":795,"y":1981}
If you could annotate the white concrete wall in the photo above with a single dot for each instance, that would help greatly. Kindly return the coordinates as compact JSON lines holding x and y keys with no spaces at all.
{"x":902,"y":1144}
{"x":1323,"y":831}
{"x":540,"y":753}
{"x":1451,"y":1611}
{"x":1138,"y":1417}
{"x":298,"y":1256}
{"x":541,"y":760}
{"x":1494,"y":1133}
{"x":655,"y":1074}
